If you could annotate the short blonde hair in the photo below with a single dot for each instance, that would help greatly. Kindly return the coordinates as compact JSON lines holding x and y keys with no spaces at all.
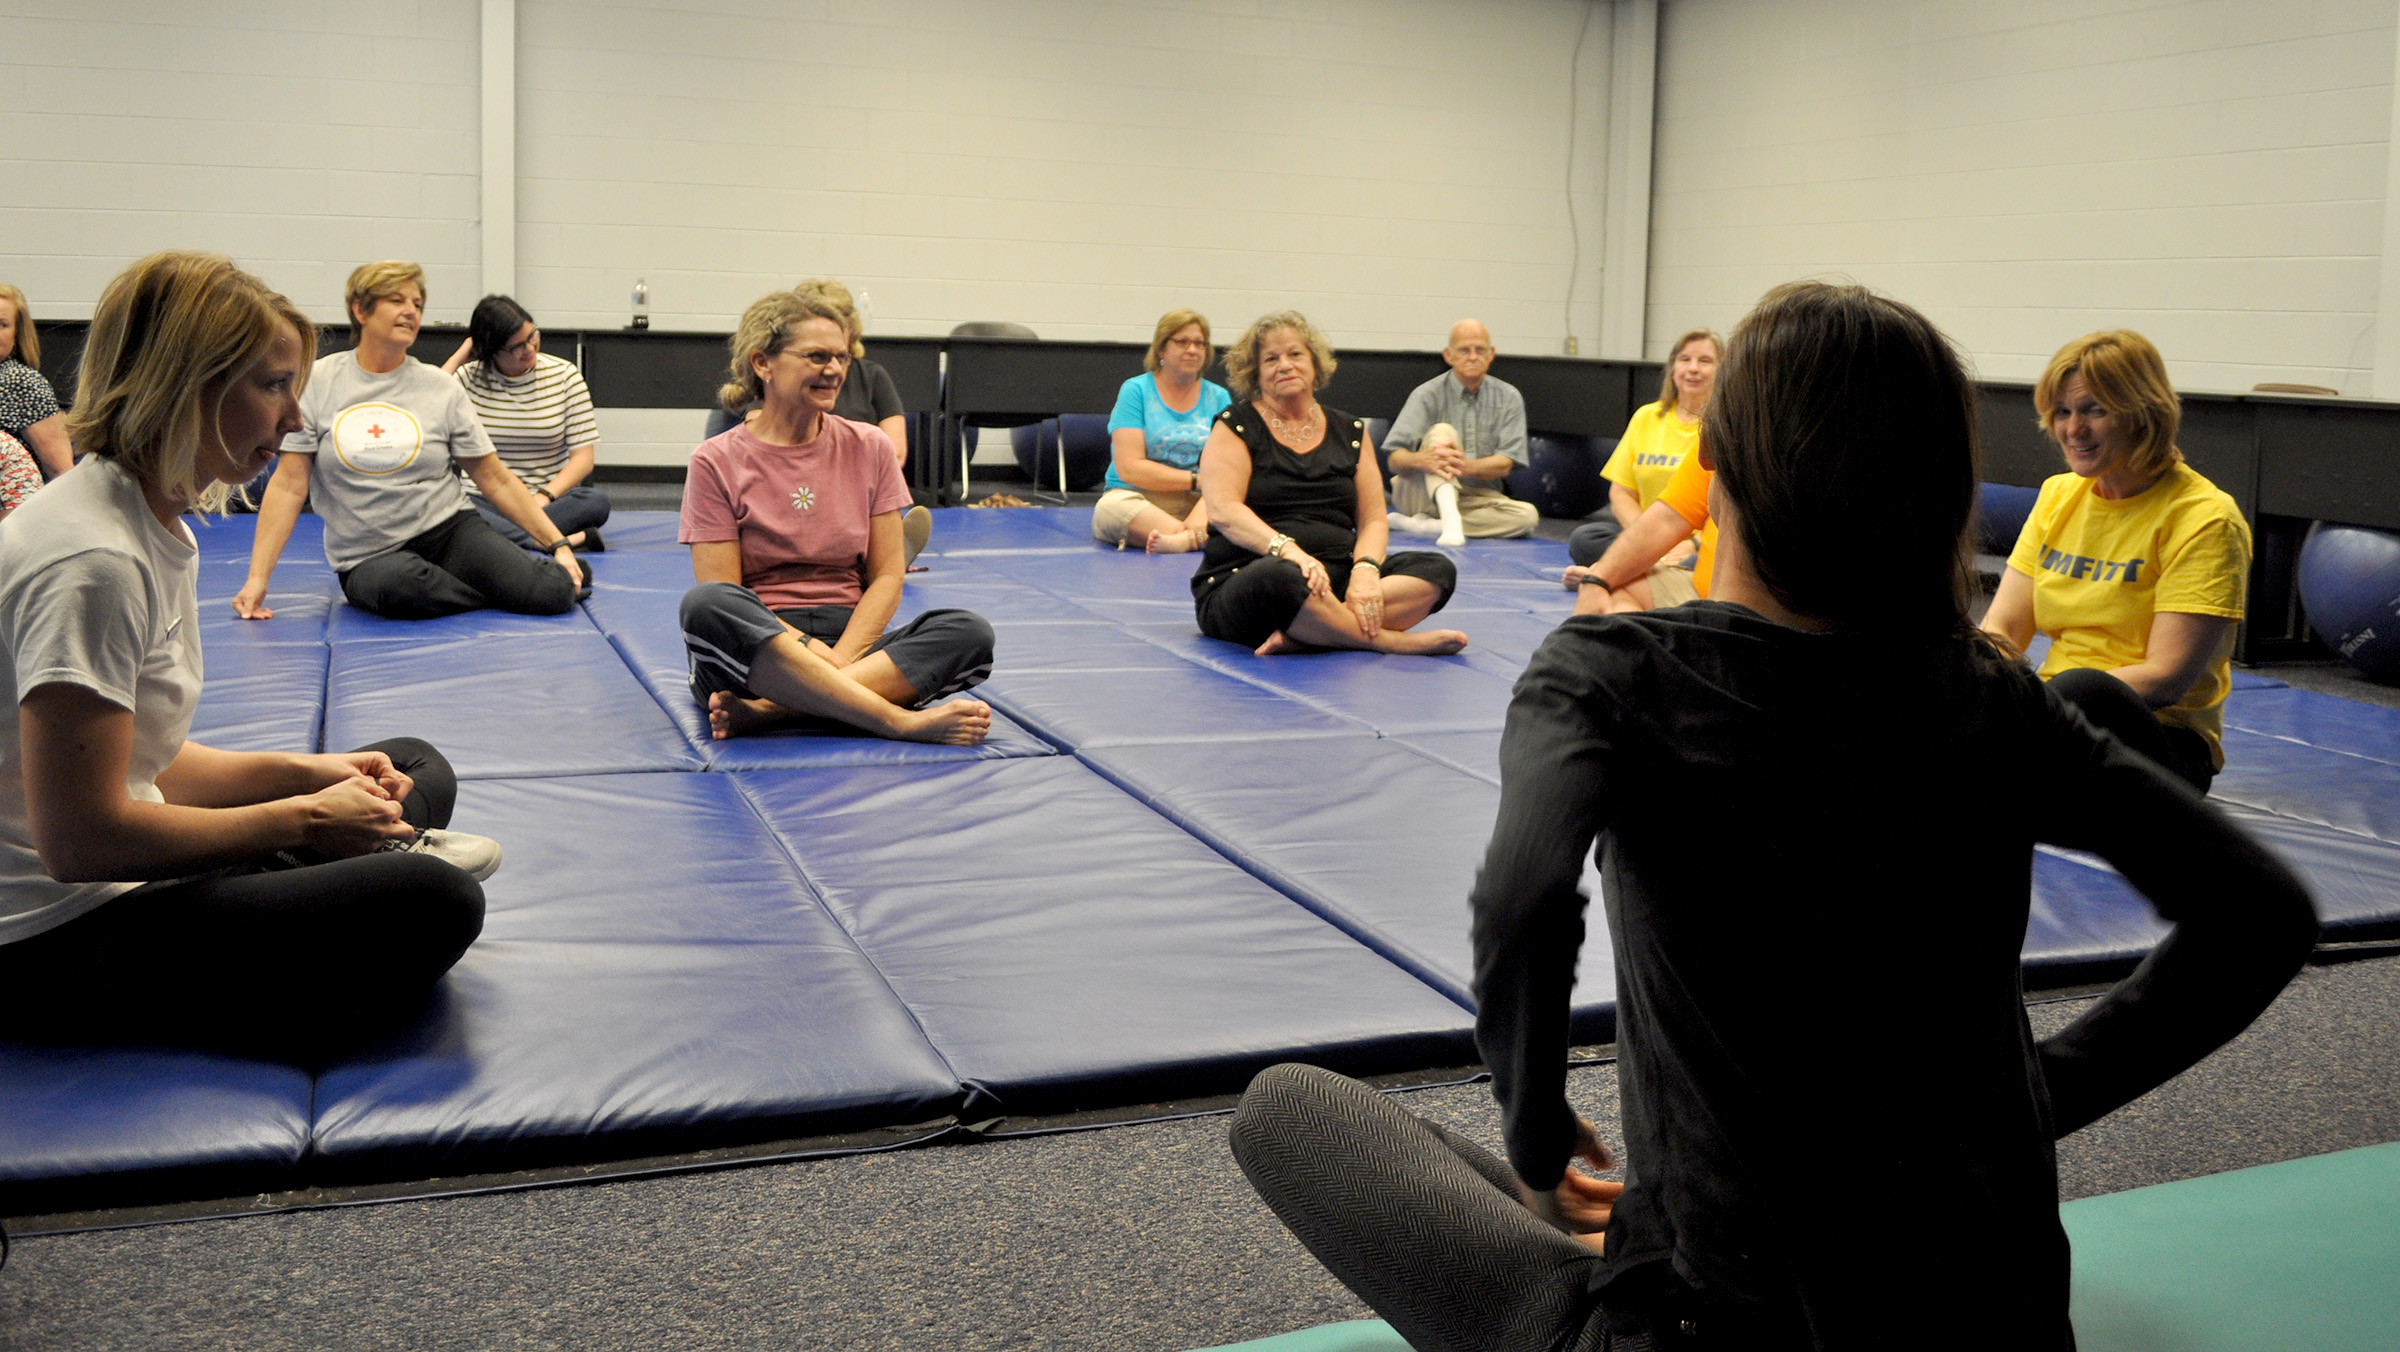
{"x":1666,"y":384}
{"x":2126,"y":375}
{"x":766,"y":326}
{"x":29,"y":348}
{"x":838,"y":296}
{"x":1241,"y":359}
{"x":170,"y":335}
{"x":371,"y":282}
{"x":1168,"y":324}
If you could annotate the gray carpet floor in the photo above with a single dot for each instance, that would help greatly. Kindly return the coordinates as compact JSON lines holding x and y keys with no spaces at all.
{"x":1138,"y":1237}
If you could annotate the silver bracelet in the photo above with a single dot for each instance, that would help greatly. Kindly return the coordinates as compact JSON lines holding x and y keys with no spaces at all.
{"x":1276,"y":545}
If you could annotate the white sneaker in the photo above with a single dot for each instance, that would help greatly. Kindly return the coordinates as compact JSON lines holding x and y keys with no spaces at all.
{"x":1415,"y":525}
{"x":478,"y":855}
{"x":1451,"y":539}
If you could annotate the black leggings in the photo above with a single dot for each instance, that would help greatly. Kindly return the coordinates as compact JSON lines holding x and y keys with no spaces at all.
{"x":1421,"y":1224}
{"x":2111,"y":706}
{"x":583,"y":507}
{"x":267,"y":959}
{"x":1587,"y":542}
{"x":461,"y":564}
{"x":1251,"y":603}
{"x":939,"y":653}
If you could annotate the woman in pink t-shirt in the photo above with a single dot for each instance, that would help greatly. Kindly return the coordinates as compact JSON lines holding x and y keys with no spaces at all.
{"x":793,"y":517}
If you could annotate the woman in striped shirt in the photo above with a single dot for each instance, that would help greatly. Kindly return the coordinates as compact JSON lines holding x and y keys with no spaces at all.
{"x":539,"y":415}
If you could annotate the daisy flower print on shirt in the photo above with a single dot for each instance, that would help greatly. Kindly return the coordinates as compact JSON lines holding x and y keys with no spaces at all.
{"x":804,"y":498}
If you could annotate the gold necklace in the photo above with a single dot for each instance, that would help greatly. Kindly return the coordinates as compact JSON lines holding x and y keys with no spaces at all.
{"x":1296,"y":435}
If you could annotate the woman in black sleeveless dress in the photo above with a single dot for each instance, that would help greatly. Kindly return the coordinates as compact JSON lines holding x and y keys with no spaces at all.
{"x":1291,"y":484}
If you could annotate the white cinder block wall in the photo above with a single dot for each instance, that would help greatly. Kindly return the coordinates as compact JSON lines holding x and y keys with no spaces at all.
{"x":1386,"y":166}
{"x":2210,"y":172}
{"x":301,"y":138}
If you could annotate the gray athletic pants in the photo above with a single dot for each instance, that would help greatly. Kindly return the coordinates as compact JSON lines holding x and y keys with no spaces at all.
{"x":1423,"y":1225}
{"x":939,"y":653}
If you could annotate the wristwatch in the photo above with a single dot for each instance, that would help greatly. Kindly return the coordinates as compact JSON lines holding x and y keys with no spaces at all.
{"x":1195,"y":481}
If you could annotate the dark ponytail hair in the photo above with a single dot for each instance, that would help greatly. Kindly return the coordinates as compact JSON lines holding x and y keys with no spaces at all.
{"x":1842,"y":429}
{"x":494,"y":326}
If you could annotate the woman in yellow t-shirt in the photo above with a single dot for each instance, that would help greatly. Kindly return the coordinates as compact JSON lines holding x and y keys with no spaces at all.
{"x":2133,"y":564}
{"x":1657,"y":440}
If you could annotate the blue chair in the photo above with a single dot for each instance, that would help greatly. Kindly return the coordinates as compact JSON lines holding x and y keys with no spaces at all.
{"x":1085,"y":443}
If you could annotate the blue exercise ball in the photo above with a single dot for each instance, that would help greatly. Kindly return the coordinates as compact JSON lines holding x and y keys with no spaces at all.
{"x":1085,"y":436}
{"x":2350,"y":588}
{"x":2000,"y":512}
{"x":1562,"y":476}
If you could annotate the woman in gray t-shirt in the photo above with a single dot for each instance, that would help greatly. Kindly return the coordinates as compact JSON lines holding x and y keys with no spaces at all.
{"x":324,"y":881}
{"x":382,"y":440}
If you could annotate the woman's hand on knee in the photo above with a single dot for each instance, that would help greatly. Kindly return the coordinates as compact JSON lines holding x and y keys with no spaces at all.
{"x":1366,"y":600}
{"x":1580,"y":1205}
{"x":333,"y":767}
{"x":1311,"y":571}
{"x":351,"y":818}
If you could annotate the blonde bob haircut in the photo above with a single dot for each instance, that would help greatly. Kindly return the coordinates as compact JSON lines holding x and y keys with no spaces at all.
{"x":838,"y":296}
{"x":169,"y":337}
{"x":371,"y":282}
{"x":1666,"y":381}
{"x":2123,"y":371}
{"x":766,"y":326}
{"x":1168,"y":324}
{"x":28,"y":349}
{"x":1241,"y":359}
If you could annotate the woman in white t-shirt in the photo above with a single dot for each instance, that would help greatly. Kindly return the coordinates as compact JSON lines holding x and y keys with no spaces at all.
{"x":793,"y":517}
{"x":300,"y":902}
{"x":538,"y":413}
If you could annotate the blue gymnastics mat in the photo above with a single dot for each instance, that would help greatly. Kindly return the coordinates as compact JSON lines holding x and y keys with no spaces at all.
{"x":2289,"y":1257}
{"x":1139,"y":890}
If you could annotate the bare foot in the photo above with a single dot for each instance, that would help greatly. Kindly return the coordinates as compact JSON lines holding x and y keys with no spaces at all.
{"x":1431,"y":643}
{"x":960,"y":722}
{"x":729,"y":715}
{"x":1171,"y":542}
{"x":1281,"y":642}
{"x":1574,"y":576}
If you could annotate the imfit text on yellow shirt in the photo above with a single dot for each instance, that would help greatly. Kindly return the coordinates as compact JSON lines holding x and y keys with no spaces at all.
{"x":2102,"y":568}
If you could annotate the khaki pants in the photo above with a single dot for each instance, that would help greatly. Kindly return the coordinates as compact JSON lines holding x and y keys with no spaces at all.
{"x":1114,"y":513}
{"x":1485,"y":511}
{"x":1670,"y":586}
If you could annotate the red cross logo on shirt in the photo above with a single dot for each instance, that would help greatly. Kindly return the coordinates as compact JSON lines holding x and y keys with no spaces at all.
{"x":374,"y":431}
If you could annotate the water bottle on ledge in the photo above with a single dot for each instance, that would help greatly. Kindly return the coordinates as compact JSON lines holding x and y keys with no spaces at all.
{"x":641,"y":304}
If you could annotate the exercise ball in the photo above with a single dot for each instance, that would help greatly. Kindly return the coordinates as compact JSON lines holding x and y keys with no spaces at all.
{"x":2000,"y":512}
{"x":1562,"y":475}
{"x":2350,"y":589}
{"x":1085,"y":436}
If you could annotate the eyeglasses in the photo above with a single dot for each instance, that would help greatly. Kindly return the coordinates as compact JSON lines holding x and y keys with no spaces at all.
{"x":532,"y":343}
{"x":821,"y":357}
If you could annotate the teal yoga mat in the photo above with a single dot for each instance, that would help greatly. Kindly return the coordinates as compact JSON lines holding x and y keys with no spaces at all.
{"x":2302,"y":1256}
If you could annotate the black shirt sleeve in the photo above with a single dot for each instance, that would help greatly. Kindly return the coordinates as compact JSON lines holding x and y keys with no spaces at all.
{"x":2243,"y":923}
{"x":1528,"y":902}
{"x":883,"y":393}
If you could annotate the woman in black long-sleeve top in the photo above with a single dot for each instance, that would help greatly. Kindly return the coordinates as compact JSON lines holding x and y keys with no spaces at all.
{"x":1889,"y":1183}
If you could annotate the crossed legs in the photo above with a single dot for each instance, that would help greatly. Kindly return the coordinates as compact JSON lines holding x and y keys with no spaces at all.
{"x":756,"y":670}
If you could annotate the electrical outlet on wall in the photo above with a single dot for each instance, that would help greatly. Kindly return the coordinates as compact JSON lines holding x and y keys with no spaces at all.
{"x":1571,"y":345}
